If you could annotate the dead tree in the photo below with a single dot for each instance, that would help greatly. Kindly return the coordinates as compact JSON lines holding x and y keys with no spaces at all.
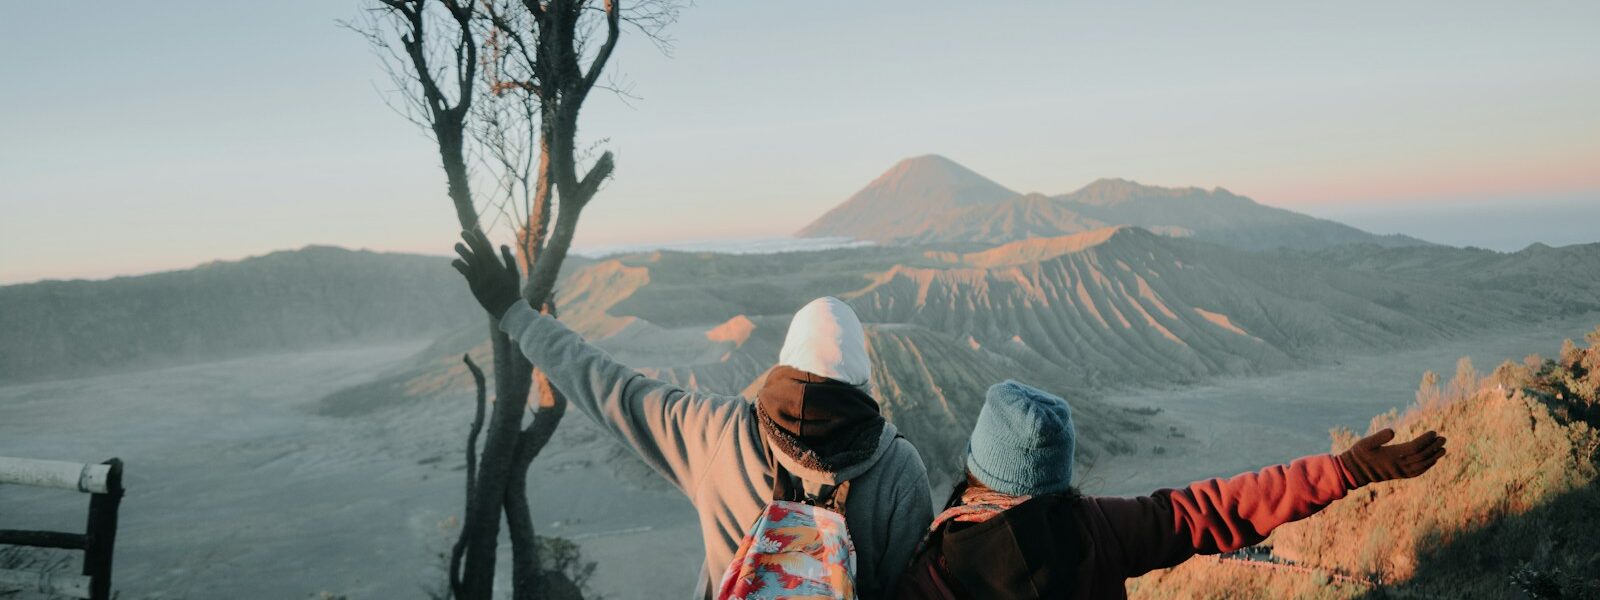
{"x":503,"y":82}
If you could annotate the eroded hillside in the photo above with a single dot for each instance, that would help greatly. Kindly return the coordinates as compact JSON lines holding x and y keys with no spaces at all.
{"x":1078,"y":315}
{"x":1125,"y":307}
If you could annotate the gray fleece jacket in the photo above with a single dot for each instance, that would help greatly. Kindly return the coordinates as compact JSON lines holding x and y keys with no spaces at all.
{"x":710,"y":447}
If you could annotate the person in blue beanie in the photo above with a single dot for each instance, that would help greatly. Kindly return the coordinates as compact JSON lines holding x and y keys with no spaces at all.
{"x":1017,"y":528}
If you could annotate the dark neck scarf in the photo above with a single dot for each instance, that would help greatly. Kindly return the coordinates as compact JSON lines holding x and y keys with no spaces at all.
{"x":823,"y":424}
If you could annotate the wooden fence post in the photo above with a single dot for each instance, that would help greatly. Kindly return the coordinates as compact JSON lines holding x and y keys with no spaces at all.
{"x":102,"y":532}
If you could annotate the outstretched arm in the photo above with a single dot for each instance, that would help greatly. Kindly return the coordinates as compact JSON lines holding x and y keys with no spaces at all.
{"x":1216,"y":515}
{"x":674,"y":431}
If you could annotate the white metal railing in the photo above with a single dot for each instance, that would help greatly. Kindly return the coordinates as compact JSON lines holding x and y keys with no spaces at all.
{"x":104,"y":482}
{"x":89,"y":479}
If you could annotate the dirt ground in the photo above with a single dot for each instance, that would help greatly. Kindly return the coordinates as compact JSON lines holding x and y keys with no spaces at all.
{"x":235,"y":489}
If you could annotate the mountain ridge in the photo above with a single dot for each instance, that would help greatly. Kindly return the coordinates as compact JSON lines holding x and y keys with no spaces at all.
{"x":919,"y":209}
{"x":317,"y":296}
{"x":899,"y":197}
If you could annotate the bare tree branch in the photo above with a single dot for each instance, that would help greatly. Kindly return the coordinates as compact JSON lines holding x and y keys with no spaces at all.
{"x":613,"y":31}
{"x":597,"y":175}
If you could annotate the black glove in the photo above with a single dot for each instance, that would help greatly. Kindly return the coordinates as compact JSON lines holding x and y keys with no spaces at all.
{"x":1370,"y":461}
{"x":496,"y":286}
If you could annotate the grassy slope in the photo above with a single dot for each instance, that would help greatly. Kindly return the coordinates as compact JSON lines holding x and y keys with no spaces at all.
{"x":1513,"y":511}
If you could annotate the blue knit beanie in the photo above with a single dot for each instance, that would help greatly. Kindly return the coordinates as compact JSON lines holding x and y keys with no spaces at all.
{"x":1023,"y":442}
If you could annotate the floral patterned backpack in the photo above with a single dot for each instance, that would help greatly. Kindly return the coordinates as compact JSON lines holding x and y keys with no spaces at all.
{"x":797,"y":549}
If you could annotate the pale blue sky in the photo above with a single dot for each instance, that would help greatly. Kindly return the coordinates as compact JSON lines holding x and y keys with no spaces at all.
{"x":138,"y":137}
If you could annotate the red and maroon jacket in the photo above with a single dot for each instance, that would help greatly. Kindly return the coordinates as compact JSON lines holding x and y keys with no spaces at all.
{"x":1087,"y":547}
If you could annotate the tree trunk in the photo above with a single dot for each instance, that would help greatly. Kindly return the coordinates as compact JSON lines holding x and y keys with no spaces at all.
{"x":528,"y":573}
{"x":480,"y":525}
{"x":497,"y":479}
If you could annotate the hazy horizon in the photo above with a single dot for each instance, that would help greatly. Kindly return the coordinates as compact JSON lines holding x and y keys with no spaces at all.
{"x":1500,"y":224}
{"x":272,"y":146}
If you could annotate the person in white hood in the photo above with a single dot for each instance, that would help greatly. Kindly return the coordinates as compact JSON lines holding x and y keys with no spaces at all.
{"x":825,"y":338}
{"x":814,"y":416}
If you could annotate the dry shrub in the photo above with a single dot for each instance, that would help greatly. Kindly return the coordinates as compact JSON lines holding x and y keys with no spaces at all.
{"x":1512,"y":510}
{"x":1206,"y":578}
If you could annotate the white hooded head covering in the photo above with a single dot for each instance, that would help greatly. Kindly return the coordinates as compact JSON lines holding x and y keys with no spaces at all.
{"x":825,"y":338}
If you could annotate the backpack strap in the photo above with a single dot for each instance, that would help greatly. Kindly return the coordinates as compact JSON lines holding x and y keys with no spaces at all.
{"x":928,"y":577}
{"x":955,"y":494}
{"x":931,"y":540}
{"x":785,"y":486}
{"x":782,"y":482}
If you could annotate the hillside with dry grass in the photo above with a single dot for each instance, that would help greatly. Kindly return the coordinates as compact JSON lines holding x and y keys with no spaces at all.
{"x":1512,"y":512}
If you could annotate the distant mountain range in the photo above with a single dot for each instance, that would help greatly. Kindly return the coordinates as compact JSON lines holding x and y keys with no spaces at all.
{"x":1117,"y":307}
{"x":1114,"y":286}
{"x":1568,"y":277}
{"x":931,"y":199}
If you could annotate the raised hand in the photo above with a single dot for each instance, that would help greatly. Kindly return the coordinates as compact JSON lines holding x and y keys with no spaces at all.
{"x":496,"y":285}
{"x":1370,"y":461}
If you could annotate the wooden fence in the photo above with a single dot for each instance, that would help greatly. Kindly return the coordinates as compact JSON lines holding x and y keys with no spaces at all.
{"x":104,"y":482}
